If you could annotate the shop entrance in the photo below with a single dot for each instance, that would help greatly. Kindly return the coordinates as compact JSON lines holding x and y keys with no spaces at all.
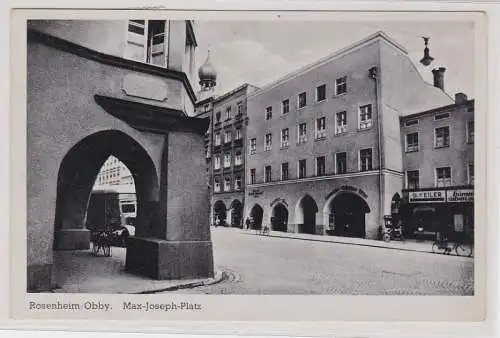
{"x":349,"y":213}
{"x":279,"y":221}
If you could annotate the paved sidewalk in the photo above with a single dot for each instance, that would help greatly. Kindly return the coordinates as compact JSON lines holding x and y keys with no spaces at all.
{"x":80,"y":271}
{"x":407,"y":245}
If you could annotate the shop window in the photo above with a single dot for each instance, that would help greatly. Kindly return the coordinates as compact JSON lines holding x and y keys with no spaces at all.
{"x":412,"y":179}
{"x":443,"y":177}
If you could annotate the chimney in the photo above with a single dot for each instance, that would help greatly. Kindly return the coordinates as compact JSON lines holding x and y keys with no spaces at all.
{"x":460,"y":98}
{"x":439,"y":77}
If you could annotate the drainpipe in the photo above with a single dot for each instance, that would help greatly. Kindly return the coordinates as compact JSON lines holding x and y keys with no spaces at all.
{"x":374,"y":74}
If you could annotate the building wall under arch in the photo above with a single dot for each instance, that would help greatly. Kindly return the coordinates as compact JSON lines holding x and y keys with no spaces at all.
{"x":320,"y":190}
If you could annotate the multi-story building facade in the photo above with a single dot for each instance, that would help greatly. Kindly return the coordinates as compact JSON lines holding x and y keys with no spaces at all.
{"x":438,"y":162}
{"x":325,"y":144}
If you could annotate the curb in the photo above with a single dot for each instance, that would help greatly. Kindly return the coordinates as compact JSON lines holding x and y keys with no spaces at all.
{"x":360,"y":244}
{"x":218,"y":276}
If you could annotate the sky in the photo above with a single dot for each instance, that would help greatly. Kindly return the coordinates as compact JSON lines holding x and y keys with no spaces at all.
{"x":260,"y":52}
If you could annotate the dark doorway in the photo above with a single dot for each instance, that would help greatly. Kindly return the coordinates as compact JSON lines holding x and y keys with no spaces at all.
{"x":219,"y":213}
{"x":236,"y":214}
{"x":256,"y":217}
{"x":349,"y":212}
{"x":279,"y":221}
{"x":309,"y":209}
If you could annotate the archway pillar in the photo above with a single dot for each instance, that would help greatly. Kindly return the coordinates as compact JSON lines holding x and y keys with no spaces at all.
{"x":177,"y":245}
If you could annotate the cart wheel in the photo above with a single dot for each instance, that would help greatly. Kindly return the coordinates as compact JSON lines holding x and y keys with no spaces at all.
{"x":386,"y":238}
{"x":463,"y":250}
{"x":435,"y":248}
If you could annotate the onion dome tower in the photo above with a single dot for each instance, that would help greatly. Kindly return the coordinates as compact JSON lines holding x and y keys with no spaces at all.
{"x":207,"y":75}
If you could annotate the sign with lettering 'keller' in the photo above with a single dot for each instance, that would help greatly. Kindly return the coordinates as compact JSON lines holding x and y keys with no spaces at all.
{"x":433,"y":196}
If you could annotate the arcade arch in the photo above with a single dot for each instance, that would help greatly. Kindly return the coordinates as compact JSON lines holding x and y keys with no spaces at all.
{"x":345,"y":215}
{"x":305,"y":215}
{"x":279,"y":220}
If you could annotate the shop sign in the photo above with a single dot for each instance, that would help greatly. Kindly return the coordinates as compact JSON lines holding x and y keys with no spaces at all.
{"x":431,"y":196}
{"x":255,"y":193}
{"x":461,"y":195}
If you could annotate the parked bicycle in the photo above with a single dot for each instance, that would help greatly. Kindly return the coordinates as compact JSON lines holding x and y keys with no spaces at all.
{"x":461,"y":249}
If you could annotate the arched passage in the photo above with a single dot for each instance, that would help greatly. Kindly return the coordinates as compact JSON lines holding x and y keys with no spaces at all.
{"x":236,"y":211}
{"x":347,"y":214}
{"x":77,"y":174}
{"x":220,"y":213}
{"x":279,"y":221}
{"x":256,"y":215}
{"x":305,"y":212}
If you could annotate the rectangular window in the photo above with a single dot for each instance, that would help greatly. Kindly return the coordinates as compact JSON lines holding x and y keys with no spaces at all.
{"x":269,"y":142}
{"x":216,"y":184}
{"x":157,"y":47}
{"x":252,"y":176}
{"x":237,"y":183}
{"x":285,"y":106}
{"x":136,"y":40}
{"x":227,"y":160}
{"x":302,"y":133}
{"x":269,"y":113}
{"x":470,"y":173}
{"x":341,"y":85}
{"x":470,"y":131}
{"x":321,"y":93}
{"x":320,"y":166}
{"x":412,"y":179}
{"x":228,"y":113}
{"x":443,"y":177}
{"x":253,"y":146}
{"x":206,"y":108}
{"x":302,"y":100}
{"x":441,"y":116}
{"x":238,"y":158}
{"x":217,"y":139}
{"x":217,"y":162}
{"x":411,"y":123}
{"x":237,"y":134}
{"x":411,"y":142}
{"x":239,"y":108}
{"x":340,"y":122}
{"x":320,"y":128}
{"x":302,"y":169}
{"x":227,"y":137}
{"x":267,"y":174}
{"x":284,"y":137}
{"x":442,"y":137}
{"x":365,"y":159}
{"x":341,"y":163}
{"x":284,"y":171}
{"x":227,"y":184}
{"x":365,"y":116}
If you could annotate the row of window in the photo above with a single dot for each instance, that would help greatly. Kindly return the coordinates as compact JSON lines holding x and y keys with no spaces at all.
{"x":441,"y":137}
{"x":227,"y":184}
{"x":239,"y":112}
{"x":365,"y":122}
{"x":340,"y":161}
{"x":238,"y":160}
{"x":227,"y":136}
{"x":437,"y":117}
{"x":442,"y":175}
{"x":320,"y":95}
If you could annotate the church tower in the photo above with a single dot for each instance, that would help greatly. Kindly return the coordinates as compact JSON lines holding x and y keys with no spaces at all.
{"x":208,"y":79}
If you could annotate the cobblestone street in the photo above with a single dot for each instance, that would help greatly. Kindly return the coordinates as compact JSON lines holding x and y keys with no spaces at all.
{"x":254,"y":264}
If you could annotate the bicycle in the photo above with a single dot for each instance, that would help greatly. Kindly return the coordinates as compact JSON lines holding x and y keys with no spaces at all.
{"x":461,"y":249}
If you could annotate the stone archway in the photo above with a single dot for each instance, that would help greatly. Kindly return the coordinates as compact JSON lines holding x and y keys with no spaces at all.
{"x":305,"y":215}
{"x":220,"y":213}
{"x":347,"y":215}
{"x":256,"y":215}
{"x":236,"y":212}
{"x":76,"y":177}
{"x":279,"y":221}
